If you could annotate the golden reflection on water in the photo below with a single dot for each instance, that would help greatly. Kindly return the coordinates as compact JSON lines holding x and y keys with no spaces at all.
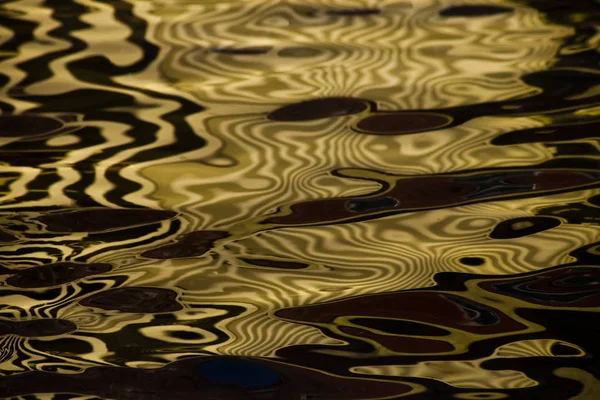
{"x":170,"y":105}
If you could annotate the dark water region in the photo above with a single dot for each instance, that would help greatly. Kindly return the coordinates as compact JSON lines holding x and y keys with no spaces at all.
{"x":304,"y":200}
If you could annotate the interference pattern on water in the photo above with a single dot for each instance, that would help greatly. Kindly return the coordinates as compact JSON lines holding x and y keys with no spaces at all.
{"x":323,"y":199}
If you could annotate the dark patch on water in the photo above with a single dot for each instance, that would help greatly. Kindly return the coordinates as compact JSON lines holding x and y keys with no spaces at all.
{"x":472,"y":261}
{"x":357,"y":206}
{"x":97,"y":220}
{"x":452,"y":311}
{"x":6,"y":237}
{"x":354,"y":12}
{"x":240,"y":372}
{"x":474,"y":10}
{"x":401,"y":344}
{"x":574,"y":286}
{"x":134,"y":300}
{"x":319,"y":108}
{"x":574,"y":213}
{"x":547,"y":99}
{"x":572,"y":149}
{"x":54,"y":274}
{"x":402,"y":123}
{"x":524,"y":226}
{"x":439,"y":191}
{"x":400,"y":327}
{"x":299,"y":52}
{"x":36,"y":327}
{"x":185,"y":335}
{"x":278,"y":264}
{"x":27,"y":125}
{"x":436,"y":306}
{"x":193,"y":244}
{"x":564,"y":350}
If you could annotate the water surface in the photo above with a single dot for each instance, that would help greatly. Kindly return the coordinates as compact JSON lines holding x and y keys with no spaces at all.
{"x":304,"y":200}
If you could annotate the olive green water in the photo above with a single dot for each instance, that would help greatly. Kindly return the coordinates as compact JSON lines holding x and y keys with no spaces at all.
{"x":303,"y":200}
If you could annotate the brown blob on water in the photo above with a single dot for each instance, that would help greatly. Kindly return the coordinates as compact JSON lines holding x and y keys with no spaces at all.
{"x":134,"y":300}
{"x":524,"y":226}
{"x":402,"y":123}
{"x":37,"y":327}
{"x":319,"y":108}
{"x":55,"y":274}
{"x":193,"y":244}
{"x":263,"y":262}
{"x":6,"y":237}
{"x":242,"y":51}
{"x":102,"y":219}
{"x":433,"y":308}
{"x":27,"y":125}
{"x":401,"y":343}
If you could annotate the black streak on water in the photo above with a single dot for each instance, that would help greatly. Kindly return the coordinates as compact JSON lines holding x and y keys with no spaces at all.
{"x":242,"y":51}
{"x":319,"y":108}
{"x":353,"y":12}
{"x":53,"y":274}
{"x":134,"y":300}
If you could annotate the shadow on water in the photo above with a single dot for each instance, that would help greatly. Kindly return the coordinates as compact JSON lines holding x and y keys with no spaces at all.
{"x":299,"y":200}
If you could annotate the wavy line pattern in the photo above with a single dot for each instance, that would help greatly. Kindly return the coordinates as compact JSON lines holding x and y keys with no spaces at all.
{"x":298,"y":199}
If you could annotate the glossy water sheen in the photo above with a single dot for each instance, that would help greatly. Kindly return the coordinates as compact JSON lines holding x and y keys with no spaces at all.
{"x":300,"y":199}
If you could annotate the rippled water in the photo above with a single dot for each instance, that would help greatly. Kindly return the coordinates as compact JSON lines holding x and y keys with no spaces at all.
{"x":303,"y":199}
